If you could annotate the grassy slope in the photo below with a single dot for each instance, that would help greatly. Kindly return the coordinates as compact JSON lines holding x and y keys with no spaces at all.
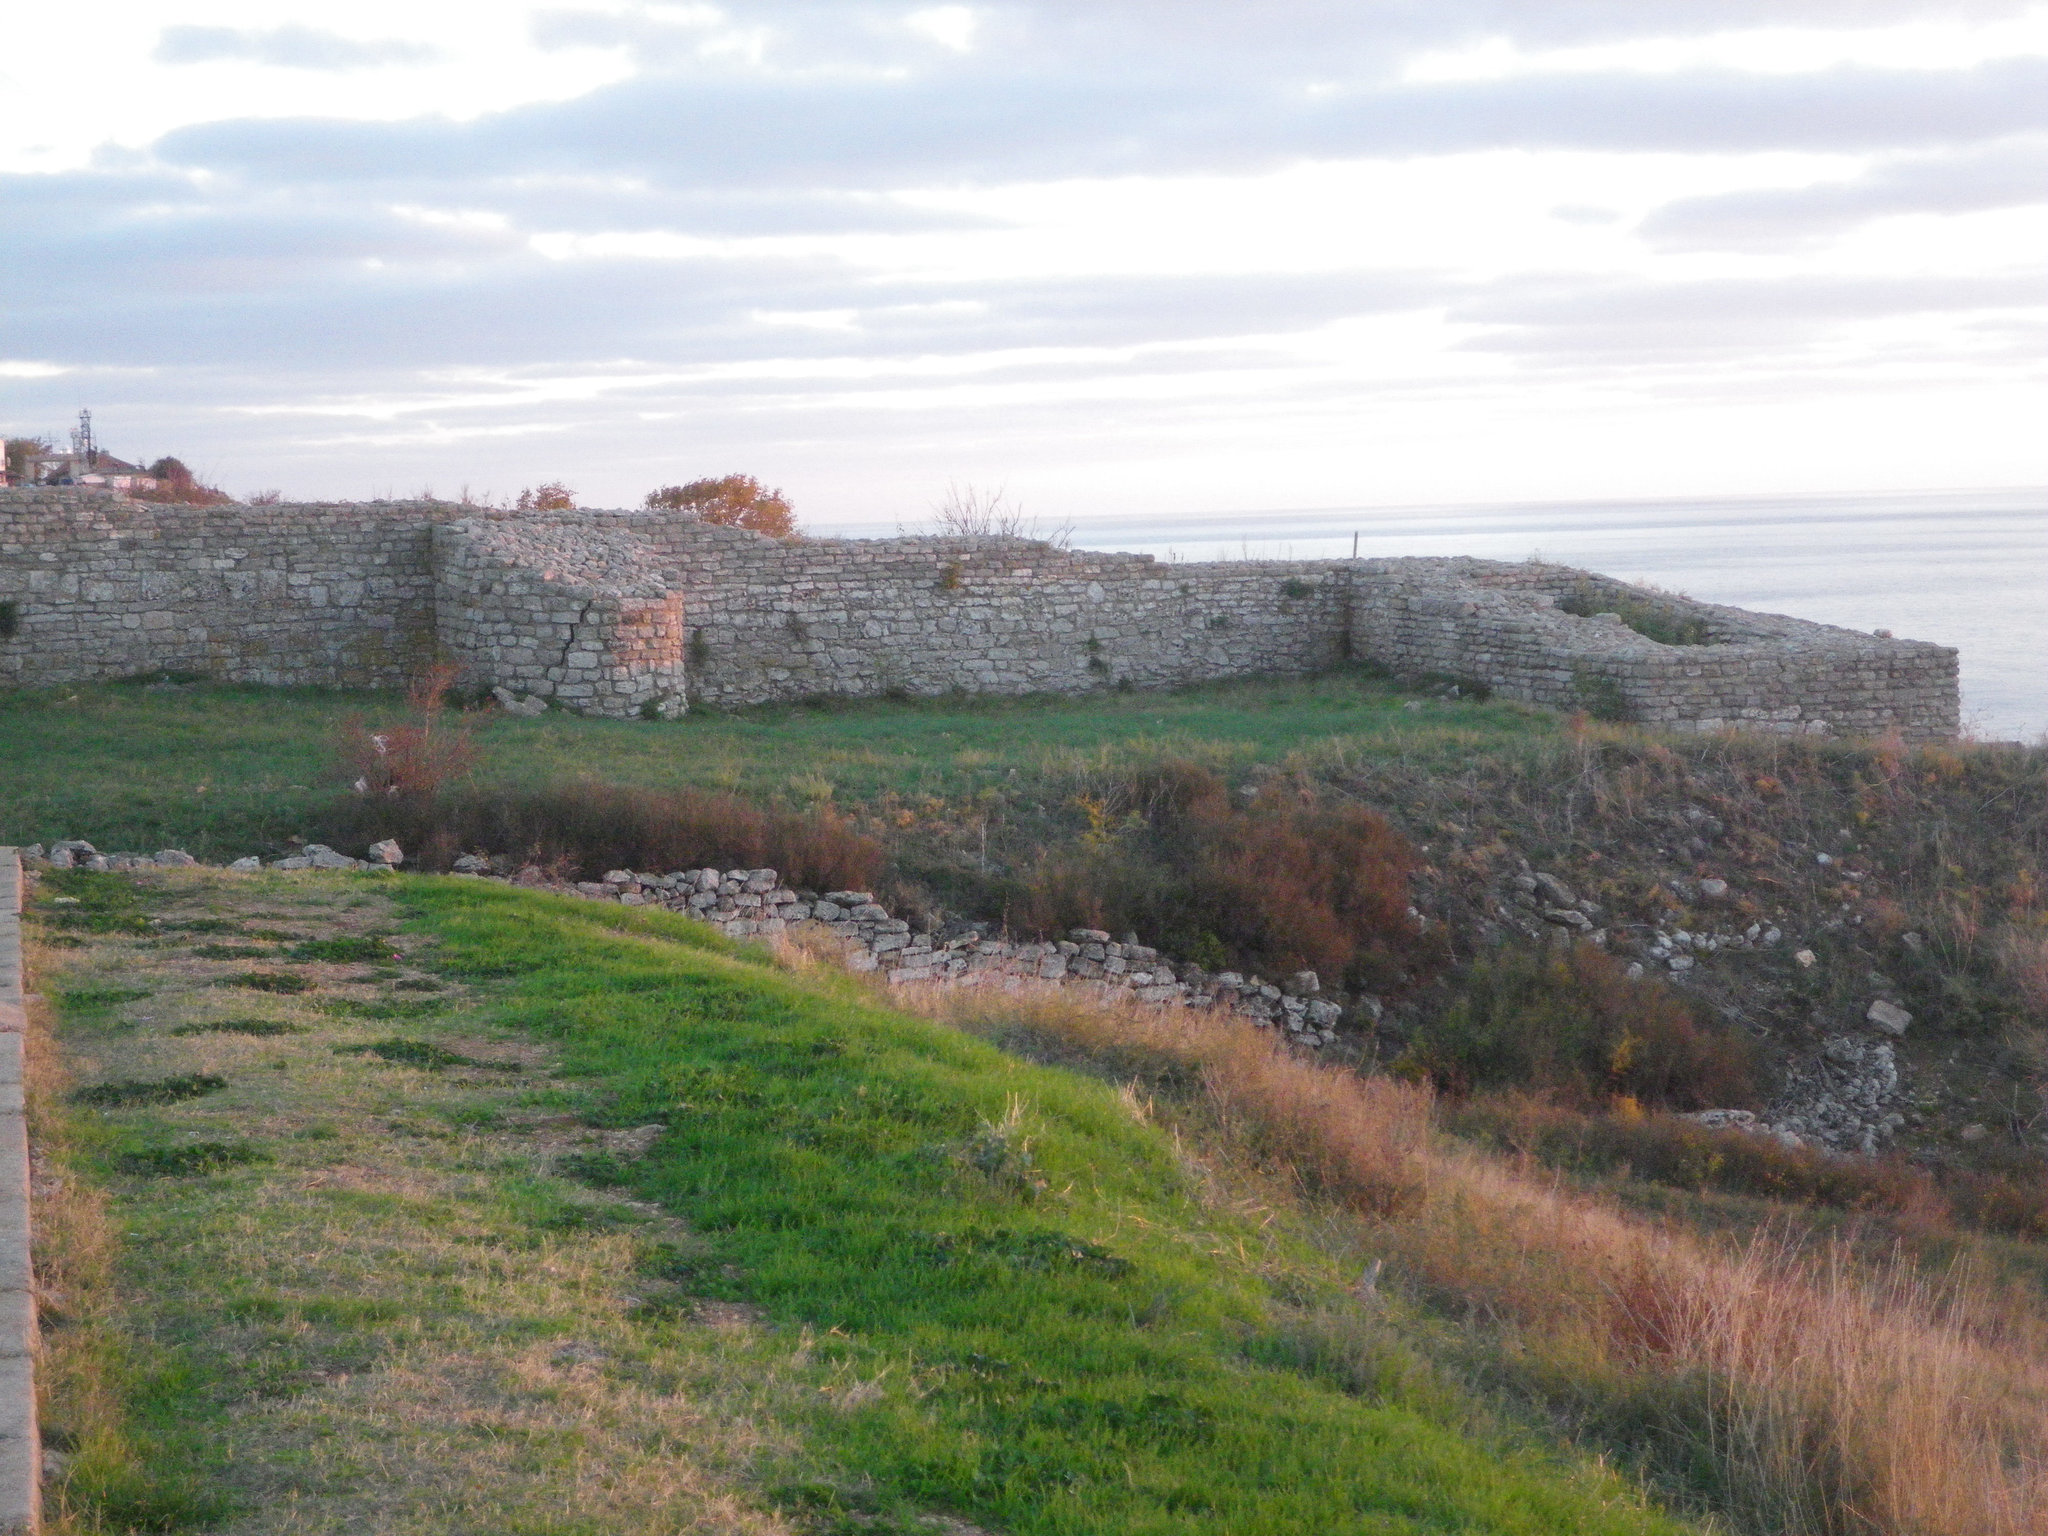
{"x":1004,"y":1298}
{"x":852,"y":1164}
{"x":221,"y":770}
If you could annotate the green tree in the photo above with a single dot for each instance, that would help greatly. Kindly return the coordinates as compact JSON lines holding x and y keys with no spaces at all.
{"x":20,"y":450}
{"x":732,"y":501}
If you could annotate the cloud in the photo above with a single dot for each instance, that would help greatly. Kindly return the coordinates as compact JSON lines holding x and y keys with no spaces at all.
{"x":434,"y":279}
{"x":2007,"y":173}
{"x":180,"y":270}
{"x":1669,"y":324}
{"x":288,"y":47}
{"x":984,"y":123}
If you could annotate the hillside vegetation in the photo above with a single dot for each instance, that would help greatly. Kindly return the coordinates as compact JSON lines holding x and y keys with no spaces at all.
{"x":868,"y":1270}
{"x":1555,"y":941}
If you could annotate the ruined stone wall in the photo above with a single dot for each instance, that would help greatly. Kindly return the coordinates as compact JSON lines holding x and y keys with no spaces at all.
{"x":924,"y":616}
{"x":622,"y":613}
{"x":1498,"y":623}
{"x":560,"y":610}
{"x":106,"y":587}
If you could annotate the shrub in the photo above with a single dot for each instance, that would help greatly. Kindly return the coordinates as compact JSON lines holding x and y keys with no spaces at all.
{"x":416,"y":758}
{"x":589,"y":828}
{"x":969,"y":512}
{"x":1286,"y":885}
{"x":1648,"y":618}
{"x":1668,"y":1149}
{"x":1576,"y":1025}
{"x":176,"y":483}
{"x":731,"y":501}
{"x":1601,"y":696}
{"x":550,"y":496}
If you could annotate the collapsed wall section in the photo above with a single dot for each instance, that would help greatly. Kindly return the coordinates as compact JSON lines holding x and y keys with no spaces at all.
{"x":94,"y":585}
{"x":571,"y":611}
{"x":1503,"y":625}
{"x":926,"y":616}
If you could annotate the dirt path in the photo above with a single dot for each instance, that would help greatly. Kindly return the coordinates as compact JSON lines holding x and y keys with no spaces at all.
{"x":315,"y":1260}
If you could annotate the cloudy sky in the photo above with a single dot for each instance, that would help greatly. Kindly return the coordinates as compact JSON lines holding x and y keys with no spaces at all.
{"x":1130,"y":255}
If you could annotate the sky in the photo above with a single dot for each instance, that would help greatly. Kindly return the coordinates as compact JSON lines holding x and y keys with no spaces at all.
{"x":1117,"y":256}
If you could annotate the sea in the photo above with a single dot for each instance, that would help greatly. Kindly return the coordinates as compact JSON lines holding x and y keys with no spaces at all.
{"x":1964,"y":568}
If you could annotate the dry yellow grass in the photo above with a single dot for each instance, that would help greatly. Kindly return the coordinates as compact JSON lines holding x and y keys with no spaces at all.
{"x":1829,"y":1398}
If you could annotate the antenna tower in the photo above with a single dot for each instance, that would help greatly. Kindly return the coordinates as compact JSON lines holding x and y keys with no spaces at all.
{"x":81,"y":439}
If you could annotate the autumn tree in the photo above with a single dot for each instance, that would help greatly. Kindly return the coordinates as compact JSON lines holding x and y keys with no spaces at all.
{"x":176,"y":483}
{"x":552,"y":496}
{"x":732,"y":501}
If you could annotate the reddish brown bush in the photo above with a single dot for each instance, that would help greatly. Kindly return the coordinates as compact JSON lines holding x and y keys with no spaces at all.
{"x":1576,"y":1025}
{"x":1668,"y":1149}
{"x":585,"y":830}
{"x":177,"y":484}
{"x":415,"y":758}
{"x":1288,"y":884}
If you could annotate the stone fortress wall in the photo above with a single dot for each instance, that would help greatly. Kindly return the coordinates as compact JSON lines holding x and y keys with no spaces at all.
{"x":640,"y":613}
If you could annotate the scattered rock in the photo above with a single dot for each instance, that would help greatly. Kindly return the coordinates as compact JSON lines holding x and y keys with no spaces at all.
{"x":1973,"y":1133}
{"x":1560,"y":894}
{"x":513,"y":704}
{"x":174,"y":858}
{"x":1889,"y":1017}
{"x":247,"y":865}
{"x":1806,"y":959}
{"x":1724,"y":1119}
{"x":1840,"y":1099}
{"x":387,"y":852}
{"x":1714,"y":891}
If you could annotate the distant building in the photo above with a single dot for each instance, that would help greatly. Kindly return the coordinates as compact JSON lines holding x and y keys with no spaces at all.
{"x":83,"y":463}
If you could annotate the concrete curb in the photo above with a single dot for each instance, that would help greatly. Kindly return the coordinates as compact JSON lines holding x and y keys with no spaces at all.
{"x":21,"y":1451}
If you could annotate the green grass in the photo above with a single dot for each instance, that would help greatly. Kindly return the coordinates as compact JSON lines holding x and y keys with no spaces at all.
{"x":227,"y":770}
{"x":1030,"y":1317}
{"x":847,"y":1271}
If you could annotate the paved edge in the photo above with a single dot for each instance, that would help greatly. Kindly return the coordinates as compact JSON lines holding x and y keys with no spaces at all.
{"x":21,"y":1450}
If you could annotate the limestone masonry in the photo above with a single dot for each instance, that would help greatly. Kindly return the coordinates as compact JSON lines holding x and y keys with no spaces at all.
{"x":645,"y":613}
